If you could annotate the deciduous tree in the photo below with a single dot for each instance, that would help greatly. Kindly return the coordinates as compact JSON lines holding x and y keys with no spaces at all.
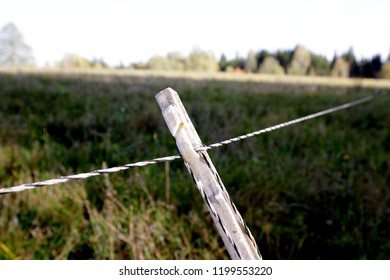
{"x":340,"y":68}
{"x":158,"y":62}
{"x":251,"y":62}
{"x":270,"y":65}
{"x":14,"y":52}
{"x":319,"y":65}
{"x":71,"y":60}
{"x":385,"y":71}
{"x":201,"y":61}
{"x":301,"y":61}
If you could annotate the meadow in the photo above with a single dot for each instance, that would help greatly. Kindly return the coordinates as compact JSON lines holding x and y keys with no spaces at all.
{"x":315,"y":190}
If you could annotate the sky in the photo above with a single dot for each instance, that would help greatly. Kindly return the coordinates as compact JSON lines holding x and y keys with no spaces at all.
{"x":127,"y":31}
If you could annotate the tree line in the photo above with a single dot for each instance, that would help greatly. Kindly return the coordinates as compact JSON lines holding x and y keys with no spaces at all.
{"x":14,"y":52}
{"x":297,"y":61}
{"x":301,"y":61}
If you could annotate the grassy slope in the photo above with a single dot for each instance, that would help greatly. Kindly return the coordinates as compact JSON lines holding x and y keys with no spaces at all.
{"x":315,"y":190}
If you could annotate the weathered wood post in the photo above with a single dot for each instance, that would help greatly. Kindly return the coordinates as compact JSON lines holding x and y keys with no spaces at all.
{"x":228,"y":221}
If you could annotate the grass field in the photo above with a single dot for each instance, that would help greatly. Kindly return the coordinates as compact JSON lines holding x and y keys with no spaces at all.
{"x":316,"y":190}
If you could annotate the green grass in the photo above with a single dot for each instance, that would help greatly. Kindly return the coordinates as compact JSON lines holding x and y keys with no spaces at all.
{"x":316,"y":190}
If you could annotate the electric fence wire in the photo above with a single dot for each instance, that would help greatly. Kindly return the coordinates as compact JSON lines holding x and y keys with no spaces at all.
{"x":98,"y":172}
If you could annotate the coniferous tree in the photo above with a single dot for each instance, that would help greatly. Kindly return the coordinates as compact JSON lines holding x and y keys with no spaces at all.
{"x":261,"y":56}
{"x":354,"y":67}
{"x":223,"y":63}
{"x":284,"y":57}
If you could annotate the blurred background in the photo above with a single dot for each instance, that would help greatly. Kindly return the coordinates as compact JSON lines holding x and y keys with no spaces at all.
{"x":77,"y":86}
{"x":337,"y":38}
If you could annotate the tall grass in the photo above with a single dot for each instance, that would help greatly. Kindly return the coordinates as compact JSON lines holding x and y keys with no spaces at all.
{"x":317,"y":190}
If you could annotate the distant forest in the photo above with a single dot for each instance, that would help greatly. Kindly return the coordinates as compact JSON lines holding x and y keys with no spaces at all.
{"x":14,"y":52}
{"x":296,"y":61}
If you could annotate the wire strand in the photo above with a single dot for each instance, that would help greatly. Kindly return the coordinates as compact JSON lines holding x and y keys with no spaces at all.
{"x":98,"y":172}
{"x":82,"y":176}
{"x":281,"y":125}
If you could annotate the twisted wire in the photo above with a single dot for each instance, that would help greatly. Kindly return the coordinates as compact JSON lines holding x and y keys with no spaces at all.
{"x":98,"y":172}
{"x":281,"y":125}
{"x":82,"y":176}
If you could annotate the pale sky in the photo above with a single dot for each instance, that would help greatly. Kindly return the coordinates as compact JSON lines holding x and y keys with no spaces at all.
{"x":131,"y":31}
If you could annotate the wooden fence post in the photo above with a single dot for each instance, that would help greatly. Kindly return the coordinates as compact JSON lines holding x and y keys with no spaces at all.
{"x":228,"y":221}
